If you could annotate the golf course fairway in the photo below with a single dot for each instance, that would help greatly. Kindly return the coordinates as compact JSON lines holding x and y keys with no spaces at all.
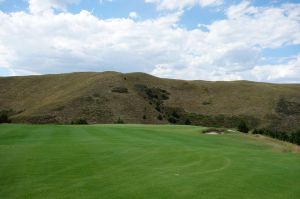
{"x":142,"y":161}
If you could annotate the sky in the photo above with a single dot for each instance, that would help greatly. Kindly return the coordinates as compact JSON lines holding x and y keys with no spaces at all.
{"x":217,"y":40}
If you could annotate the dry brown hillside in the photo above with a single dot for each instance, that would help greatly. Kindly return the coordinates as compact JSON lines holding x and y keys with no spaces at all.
{"x":142,"y":98}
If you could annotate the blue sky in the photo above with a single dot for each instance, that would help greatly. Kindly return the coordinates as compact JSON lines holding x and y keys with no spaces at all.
{"x":255,"y":40}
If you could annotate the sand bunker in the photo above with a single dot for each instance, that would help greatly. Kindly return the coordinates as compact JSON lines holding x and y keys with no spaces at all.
{"x":214,"y":132}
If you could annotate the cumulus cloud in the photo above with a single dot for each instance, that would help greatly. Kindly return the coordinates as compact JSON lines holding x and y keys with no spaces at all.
{"x":182,"y":4}
{"x":230,"y":49}
{"x":64,"y":42}
{"x":37,"y":6}
{"x":103,"y":1}
{"x":287,"y":73}
{"x":133,"y":15}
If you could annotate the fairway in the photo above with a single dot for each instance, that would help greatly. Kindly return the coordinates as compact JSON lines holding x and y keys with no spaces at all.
{"x":142,"y":161}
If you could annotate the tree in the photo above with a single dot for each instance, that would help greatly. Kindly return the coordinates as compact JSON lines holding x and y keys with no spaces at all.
{"x":160,"y":117}
{"x":4,"y":117}
{"x":80,"y":121}
{"x":172,"y":120}
{"x":255,"y":131}
{"x":187,"y":122}
{"x":295,"y":137}
{"x":119,"y":121}
{"x":242,"y":127}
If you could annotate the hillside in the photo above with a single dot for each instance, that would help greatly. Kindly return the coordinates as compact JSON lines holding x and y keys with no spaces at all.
{"x":142,"y":98}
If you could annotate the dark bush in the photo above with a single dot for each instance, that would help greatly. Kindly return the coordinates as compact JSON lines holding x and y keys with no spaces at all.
{"x":164,"y":97}
{"x":158,"y":108}
{"x":255,"y":131}
{"x":4,"y":117}
{"x":242,"y":127}
{"x":287,"y":107}
{"x":80,"y":121}
{"x":295,"y":137}
{"x":96,"y":95}
{"x":120,"y":90}
{"x":119,"y":121}
{"x":159,"y":117}
{"x":175,"y":114}
{"x":187,"y":122}
{"x":206,"y":103}
{"x":172,"y":120}
{"x":144,"y":117}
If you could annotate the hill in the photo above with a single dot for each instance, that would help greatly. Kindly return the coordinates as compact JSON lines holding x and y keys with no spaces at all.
{"x":142,"y":98}
{"x":143,"y":161}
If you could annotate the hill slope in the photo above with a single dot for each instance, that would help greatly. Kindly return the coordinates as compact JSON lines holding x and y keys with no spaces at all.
{"x":141,"y":98}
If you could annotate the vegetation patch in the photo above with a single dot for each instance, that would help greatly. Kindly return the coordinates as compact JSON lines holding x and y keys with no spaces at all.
{"x":4,"y":117}
{"x":160,"y":117}
{"x":119,"y":121}
{"x":119,"y":90}
{"x":59,"y":108}
{"x":80,"y":121}
{"x":242,"y":127}
{"x":206,"y":103}
{"x":292,"y":137}
{"x":42,"y":119}
{"x":222,"y":120}
{"x":155,"y":97}
{"x":287,"y":107}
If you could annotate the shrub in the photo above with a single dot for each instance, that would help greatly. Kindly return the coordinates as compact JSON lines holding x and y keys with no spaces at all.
{"x":295,"y":137}
{"x":158,"y":108}
{"x":120,"y":90}
{"x":175,"y":114}
{"x":187,"y":122}
{"x":164,"y":97}
{"x":255,"y":131}
{"x":4,"y":117}
{"x":80,"y":121}
{"x":172,"y":120}
{"x":206,"y":103}
{"x":119,"y":121}
{"x":96,"y":95}
{"x":242,"y":127}
{"x":159,"y":117}
{"x":144,"y":117}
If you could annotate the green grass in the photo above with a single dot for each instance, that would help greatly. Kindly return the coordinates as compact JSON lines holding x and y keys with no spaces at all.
{"x":136,"y":161}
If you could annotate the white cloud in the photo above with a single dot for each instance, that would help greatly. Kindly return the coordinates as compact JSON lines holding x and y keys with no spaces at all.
{"x":182,"y":4}
{"x":287,"y":73}
{"x":103,"y":1}
{"x":133,"y":15}
{"x":205,"y":3}
{"x":64,"y":42}
{"x":231,"y":48}
{"x":37,"y":6}
{"x":239,"y":10}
